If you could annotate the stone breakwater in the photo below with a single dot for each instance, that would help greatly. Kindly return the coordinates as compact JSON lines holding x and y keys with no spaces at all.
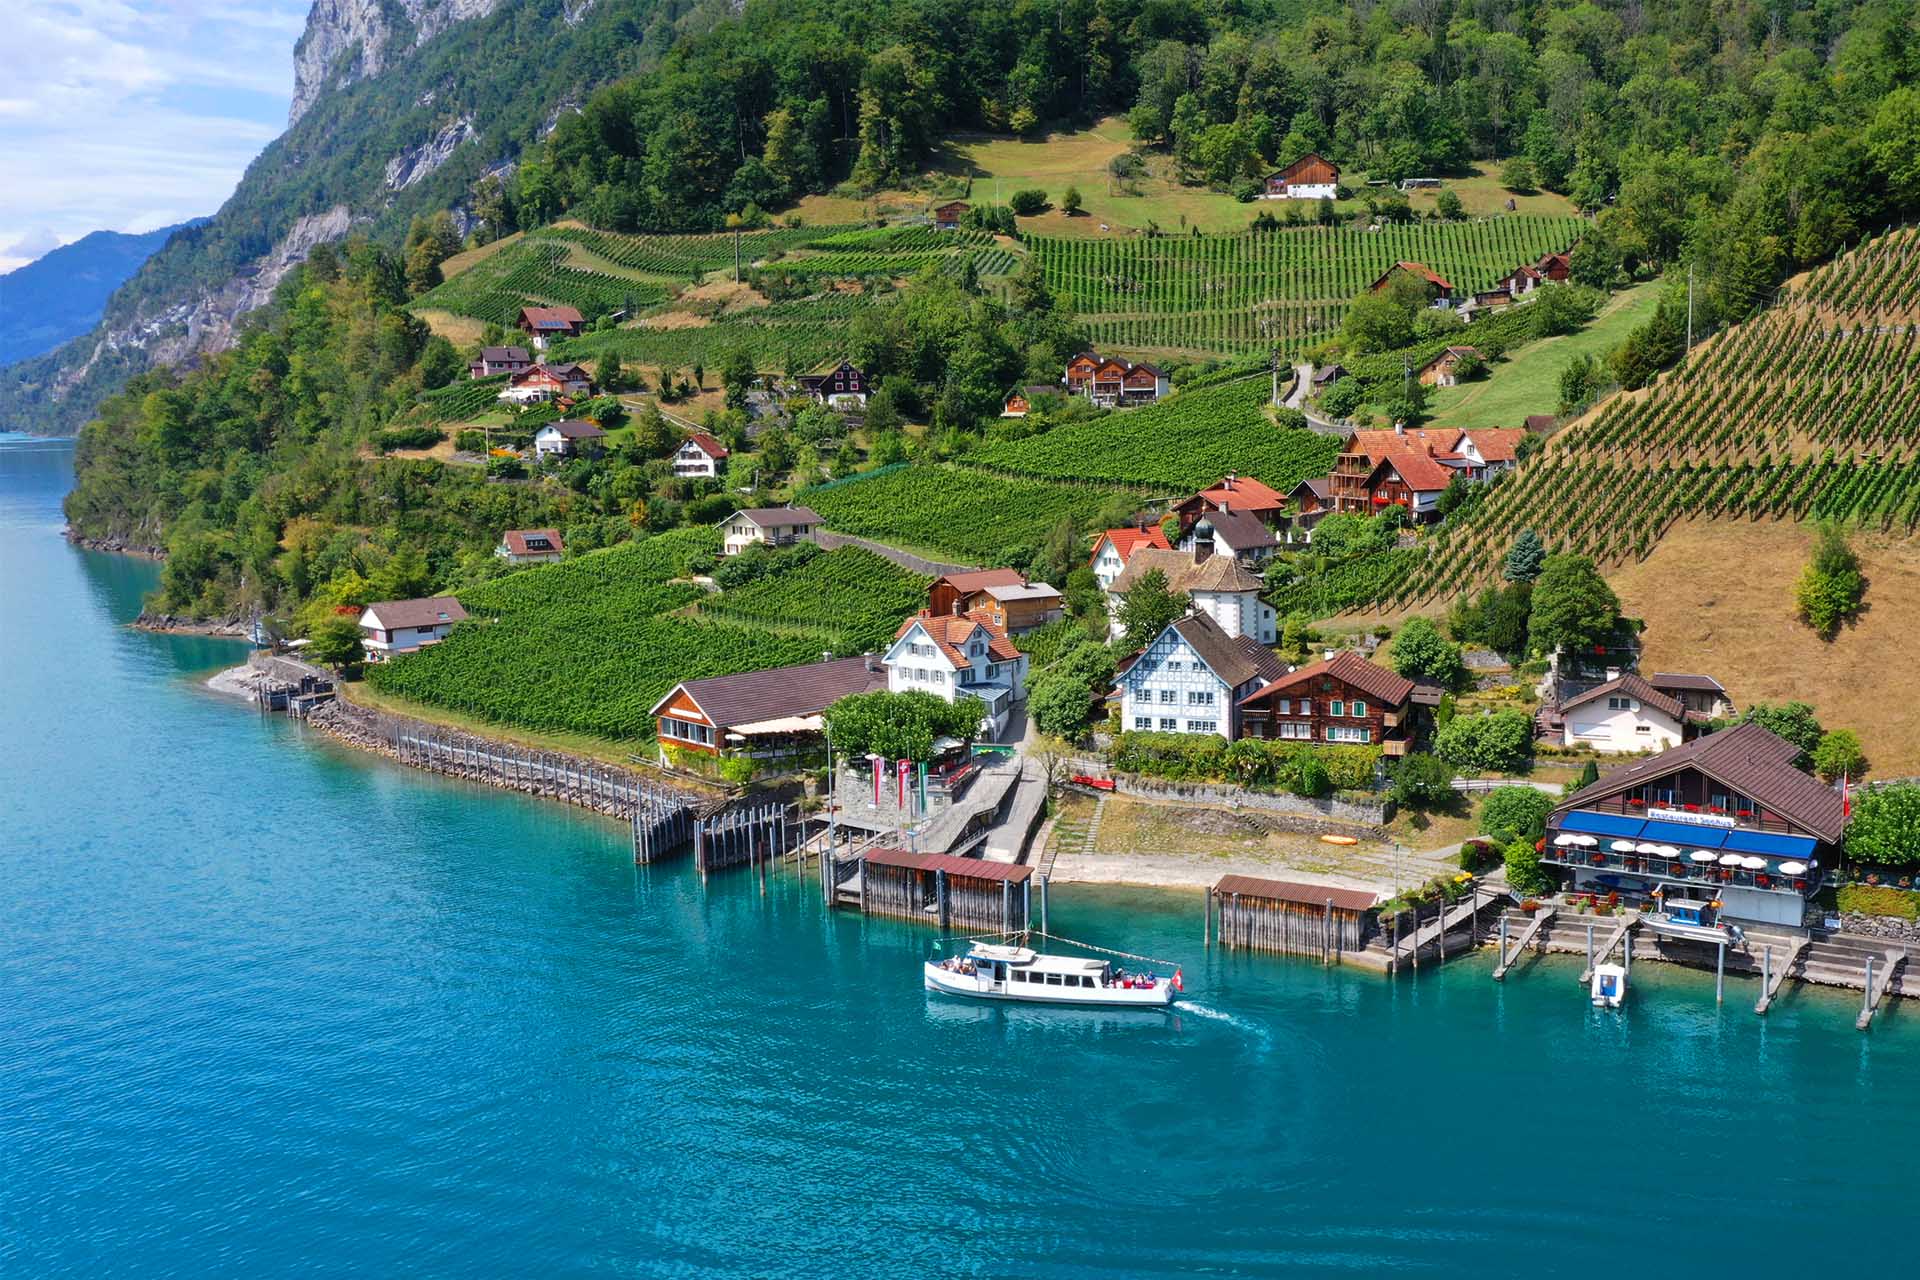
{"x":551,"y":775}
{"x":1892,"y":928}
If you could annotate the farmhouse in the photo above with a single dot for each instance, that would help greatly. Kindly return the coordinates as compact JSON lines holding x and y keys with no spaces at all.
{"x":699,"y":455}
{"x":1444,"y":369}
{"x":1342,"y":700}
{"x":1191,"y":679}
{"x":1214,"y":584}
{"x":395,"y":627}
{"x":1412,"y":467}
{"x":542,"y":382}
{"x":1308,"y":178}
{"x":1113,"y":382}
{"x":567,"y":436}
{"x":1625,"y":714}
{"x":1701,"y":695}
{"x":946,"y":217}
{"x":530,"y":546}
{"x":1442,"y":289}
{"x":948,"y":655}
{"x":761,"y":713}
{"x":1307,"y":502}
{"x":547,"y":324}
{"x":769,"y":527}
{"x":949,"y":593}
{"x":1016,"y":607}
{"x":1724,"y":818}
{"x":1555,"y":266}
{"x":1021,"y":400}
{"x":841,"y":387}
{"x":1234,"y":493}
{"x":1112,"y":549}
{"x":497,"y":360}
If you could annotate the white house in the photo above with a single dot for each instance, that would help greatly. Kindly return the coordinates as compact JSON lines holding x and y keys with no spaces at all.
{"x":569,"y":435}
{"x":1217,"y":585}
{"x":769,"y":526}
{"x":948,"y":655}
{"x":530,"y":546}
{"x":700,"y":455}
{"x":1243,"y":537}
{"x":1623,"y":715}
{"x":1192,"y":677}
{"x":1112,"y":549}
{"x":394,"y":627}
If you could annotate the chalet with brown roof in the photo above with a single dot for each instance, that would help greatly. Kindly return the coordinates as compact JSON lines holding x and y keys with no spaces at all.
{"x":1412,"y":466}
{"x":949,"y":593}
{"x":1555,"y":266}
{"x":841,"y":387}
{"x":530,"y":546}
{"x":392,"y":628}
{"x":1438,"y":286}
{"x":1623,"y":715}
{"x":700,"y":455}
{"x":1702,"y":696}
{"x":1725,"y":818}
{"x":540,"y":383}
{"x":1343,"y":700}
{"x":761,"y":713}
{"x":1112,"y":549}
{"x":567,"y":436}
{"x":1311,"y":177}
{"x":1114,"y":382}
{"x":951,"y":655}
{"x":549,"y":324}
{"x":1017,"y":607}
{"x":1444,"y":369}
{"x":947,"y":217}
{"x":493,"y":361}
{"x":768,"y":527}
{"x":1021,"y":400}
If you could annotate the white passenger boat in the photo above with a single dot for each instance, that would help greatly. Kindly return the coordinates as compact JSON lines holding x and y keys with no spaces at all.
{"x":994,"y":971}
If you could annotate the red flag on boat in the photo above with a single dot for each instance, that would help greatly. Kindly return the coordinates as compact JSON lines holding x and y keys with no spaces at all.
{"x":1178,"y":985}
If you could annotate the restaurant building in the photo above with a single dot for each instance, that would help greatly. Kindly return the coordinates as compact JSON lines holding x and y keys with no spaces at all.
{"x":1725,"y":818}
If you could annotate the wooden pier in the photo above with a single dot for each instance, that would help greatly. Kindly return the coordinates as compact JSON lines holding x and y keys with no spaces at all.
{"x":943,"y":890}
{"x":1876,"y":985}
{"x":741,"y":835}
{"x":1282,"y":917}
{"x":1772,"y":977}
{"x":1532,"y":931}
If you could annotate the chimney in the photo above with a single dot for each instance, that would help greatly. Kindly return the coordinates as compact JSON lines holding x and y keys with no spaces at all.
{"x":1400,"y":426}
{"x":1613,"y":673}
{"x":1227,"y":484}
{"x":873,"y":660}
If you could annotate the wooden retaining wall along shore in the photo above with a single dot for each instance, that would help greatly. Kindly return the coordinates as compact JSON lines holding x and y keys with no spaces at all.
{"x":1281,"y":917}
{"x":952,"y":893}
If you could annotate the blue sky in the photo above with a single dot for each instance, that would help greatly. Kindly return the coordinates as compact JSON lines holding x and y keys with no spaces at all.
{"x":125,"y":115}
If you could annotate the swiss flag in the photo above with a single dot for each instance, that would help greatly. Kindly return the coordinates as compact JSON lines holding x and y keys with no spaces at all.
{"x":1178,"y":985}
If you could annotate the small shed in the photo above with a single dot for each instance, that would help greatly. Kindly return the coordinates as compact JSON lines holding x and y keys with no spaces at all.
{"x":940,"y":889}
{"x":1283,"y":917}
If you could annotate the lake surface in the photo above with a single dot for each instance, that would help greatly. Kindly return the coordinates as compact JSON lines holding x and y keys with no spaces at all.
{"x":272,"y":1008}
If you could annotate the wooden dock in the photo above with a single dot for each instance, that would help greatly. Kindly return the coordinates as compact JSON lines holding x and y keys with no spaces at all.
{"x":1878,"y":979}
{"x":1773,"y":978}
{"x":1614,"y":939}
{"x":1539,"y":922}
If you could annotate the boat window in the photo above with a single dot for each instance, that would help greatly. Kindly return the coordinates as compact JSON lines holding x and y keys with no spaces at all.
{"x":1053,"y":979}
{"x":1085,"y":981}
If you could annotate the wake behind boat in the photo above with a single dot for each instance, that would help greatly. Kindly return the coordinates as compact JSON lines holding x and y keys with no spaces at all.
{"x":1001,"y":971}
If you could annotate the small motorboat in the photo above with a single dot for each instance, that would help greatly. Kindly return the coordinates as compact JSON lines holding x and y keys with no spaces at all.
{"x":998,"y":971}
{"x":1609,"y":986}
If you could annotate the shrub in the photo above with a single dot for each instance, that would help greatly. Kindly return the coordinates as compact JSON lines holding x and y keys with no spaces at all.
{"x":469,"y":440}
{"x":1028,"y":203}
{"x":1511,"y":813}
{"x":1831,"y":588}
{"x":1498,"y":743}
{"x":1524,"y":872}
{"x":1886,"y":826}
{"x":1420,"y":652}
{"x":408,"y":438}
{"x":1477,"y":856}
{"x":1423,"y":782}
{"x":1879,"y":900}
{"x":1517,"y":175}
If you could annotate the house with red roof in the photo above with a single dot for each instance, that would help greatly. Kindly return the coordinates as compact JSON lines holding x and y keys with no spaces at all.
{"x":950,"y":655}
{"x":530,"y":546}
{"x":700,"y":455}
{"x":548,"y":324}
{"x":1412,"y":466}
{"x":1439,"y":285}
{"x":1112,"y":550}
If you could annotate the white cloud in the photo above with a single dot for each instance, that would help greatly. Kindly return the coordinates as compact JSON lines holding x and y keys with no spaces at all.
{"x":132,"y":114}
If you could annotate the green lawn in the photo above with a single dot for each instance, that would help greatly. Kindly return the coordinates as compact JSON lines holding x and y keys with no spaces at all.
{"x":1528,"y":379}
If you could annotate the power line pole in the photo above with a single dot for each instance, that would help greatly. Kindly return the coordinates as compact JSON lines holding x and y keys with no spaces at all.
{"x":1689,"y":350}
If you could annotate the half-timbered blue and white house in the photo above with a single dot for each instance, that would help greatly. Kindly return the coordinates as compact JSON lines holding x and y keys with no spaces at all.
{"x":1192,"y":677}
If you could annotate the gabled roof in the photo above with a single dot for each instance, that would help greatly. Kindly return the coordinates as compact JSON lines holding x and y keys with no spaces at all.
{"x":1541,"y":421}
{"x":1747,"y":758}
{"x":1454,"y":353}
{"x":1243,"y":493}
{"x":517,"y":541}
{"x":1007,"y":591}
{"x":1313,"y":895}
{"x":974,"y":580}
{"x":1419,"y":269}
{"x":706,"y":444}
{"x":550,"y":317}
{"x":1497,"y":444}
{"x":1225,"y":657}
{"x":1320,"y":487}
{"x":1418,"y":470}
{"x":428,"y":611}
{"x":504,"y":355}
{"x":952,"y":633}
{"x":1238,"y":529}
{"x":573,"y":429}
{"x":1215,"y":573}
{"x":803,"y":690}
{"x":1632,"y":686}
{"x":1126,"y":541}
{"x":1683,"y":680}
{"x":1370,"y":678}
{"x":779,"y":517}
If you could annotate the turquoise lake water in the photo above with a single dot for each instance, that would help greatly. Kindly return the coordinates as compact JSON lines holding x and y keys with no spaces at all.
{"x":272,"y":1008}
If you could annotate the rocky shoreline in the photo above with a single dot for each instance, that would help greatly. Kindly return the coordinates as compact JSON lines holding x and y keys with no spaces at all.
{"x":171,"y":624}
{"x":118,"y":546}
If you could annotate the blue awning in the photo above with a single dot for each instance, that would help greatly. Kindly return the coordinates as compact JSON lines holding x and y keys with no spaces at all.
{"x":1771,"y":844}
{"x":1687,"y":833}
{"x":1602,"y":824}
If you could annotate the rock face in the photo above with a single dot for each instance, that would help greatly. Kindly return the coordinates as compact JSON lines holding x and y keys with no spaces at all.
{"x":415,"y":163}
{"x":349,"y":40}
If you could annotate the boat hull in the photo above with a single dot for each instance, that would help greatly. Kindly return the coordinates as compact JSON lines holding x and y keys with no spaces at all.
{"x":976,"y":987}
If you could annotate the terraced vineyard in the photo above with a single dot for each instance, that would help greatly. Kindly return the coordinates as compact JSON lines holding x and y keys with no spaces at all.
{"x":788,"y":336}
{"x":612,"y":614}
{"x":1181,"y":444}
{"x":957,"y":513}
{"x":1258,"y":290}
{"x":851,"y":597}
{"x":1809,"y":410}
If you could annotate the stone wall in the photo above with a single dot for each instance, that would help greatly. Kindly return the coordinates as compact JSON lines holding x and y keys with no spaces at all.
{"x":1375,"y":811}
{"x":1892,"y":928}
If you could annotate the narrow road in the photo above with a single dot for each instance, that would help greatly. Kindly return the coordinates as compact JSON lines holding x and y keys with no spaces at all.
{"x":905,"y":559}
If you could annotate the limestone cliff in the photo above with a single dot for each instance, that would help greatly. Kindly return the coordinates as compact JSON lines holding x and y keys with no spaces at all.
{"x":349,"y":40}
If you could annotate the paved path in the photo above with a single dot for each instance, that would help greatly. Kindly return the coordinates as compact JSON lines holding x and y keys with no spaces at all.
{"x":905,"y":559}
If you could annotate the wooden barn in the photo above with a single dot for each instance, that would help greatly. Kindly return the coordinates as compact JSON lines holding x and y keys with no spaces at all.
{"x":940,"y":889}
{"x":1284,"y":918}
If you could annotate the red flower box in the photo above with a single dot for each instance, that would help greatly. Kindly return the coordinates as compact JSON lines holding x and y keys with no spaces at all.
{"x":1693,"y":808}
{"x":1744,"y":813}
{"x":1800,"y":884}
{"x":1599,"y":859}
{"x":1638,"y":804}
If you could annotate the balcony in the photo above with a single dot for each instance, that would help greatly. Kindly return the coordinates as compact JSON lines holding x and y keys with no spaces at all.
{"x":1743,"y":819}
{"x":1684,"y":871}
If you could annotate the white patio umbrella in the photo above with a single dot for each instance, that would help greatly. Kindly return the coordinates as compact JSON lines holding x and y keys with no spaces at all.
{"x":1701,"y":855}
{"x":1754,"y":864}
{"x":1730,"y":859}
{"x":1793,"y":868}
{"x":1585,"y":842}
{"x":1646,"y":846}
{"x":1623,"y":846}
{"x":1562,"y":841}
{"x":1668,"y":851}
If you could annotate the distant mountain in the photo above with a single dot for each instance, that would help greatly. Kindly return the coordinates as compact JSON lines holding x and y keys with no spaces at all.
{"x":63,"y":294}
